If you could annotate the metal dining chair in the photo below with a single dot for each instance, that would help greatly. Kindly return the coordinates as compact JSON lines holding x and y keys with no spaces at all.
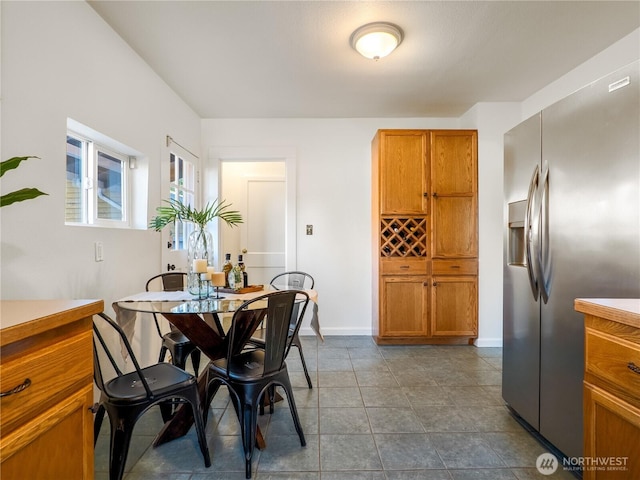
{"x":302,"y":281}
{"x":127,"y":396}
{"x":174,"y":341}
{"x":252,"y":373}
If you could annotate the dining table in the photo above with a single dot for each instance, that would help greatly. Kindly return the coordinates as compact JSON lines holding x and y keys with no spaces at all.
{"x":205,"y":322}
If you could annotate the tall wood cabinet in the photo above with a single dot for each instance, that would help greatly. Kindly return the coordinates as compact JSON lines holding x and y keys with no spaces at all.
{"x":46,"y":376}
{"x":425,"y":236}
{"x":611,"y":388}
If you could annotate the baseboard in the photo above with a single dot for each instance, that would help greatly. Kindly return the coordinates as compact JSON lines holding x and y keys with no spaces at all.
{"x":336,"y":331}
{"x":488,"y":342}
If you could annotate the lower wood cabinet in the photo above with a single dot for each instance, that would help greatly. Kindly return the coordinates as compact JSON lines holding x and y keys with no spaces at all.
{"x":454,"y":306}
{"x":46,"y":376}
{"x":611,"y":389}
{"x":405,"y":307}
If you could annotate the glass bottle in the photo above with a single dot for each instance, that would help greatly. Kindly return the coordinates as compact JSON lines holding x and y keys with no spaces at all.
{"x":245,"y":278}
{"x":226,"y":268}
{"x":235,"y":278}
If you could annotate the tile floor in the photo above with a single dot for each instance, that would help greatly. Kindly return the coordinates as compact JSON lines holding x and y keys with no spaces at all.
{"x":375,"y":413}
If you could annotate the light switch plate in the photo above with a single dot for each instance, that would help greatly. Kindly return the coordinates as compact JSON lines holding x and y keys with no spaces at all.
{"x":99,"y":249}
{"x":309,"y":229}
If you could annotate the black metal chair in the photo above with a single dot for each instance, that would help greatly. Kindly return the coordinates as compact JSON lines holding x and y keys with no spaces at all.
{"x":250,"y":373}
{"x":174,"y":341}
{"x":299,"y":280}
{"x":127,"y":396}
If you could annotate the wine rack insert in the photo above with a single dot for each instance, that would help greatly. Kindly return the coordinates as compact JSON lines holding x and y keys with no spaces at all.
{"x":403,"y":237}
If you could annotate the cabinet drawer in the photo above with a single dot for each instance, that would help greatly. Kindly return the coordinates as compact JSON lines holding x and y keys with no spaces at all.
{"x":404,"y":266}
{"x":52,"y":370}
{"x":455,"y":267}
{"x":613,"y":359}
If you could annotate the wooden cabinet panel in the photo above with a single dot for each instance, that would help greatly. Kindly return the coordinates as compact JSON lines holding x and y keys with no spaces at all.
{"x":454,"y":162}
{"x":52,"y":370}
{"x":58,"y":439}
{"x":403,"y":168}
{"x":609,"y":358}
{"x":405,"y":306}
{"x":454,"y":306}
{"x":612,"y":431}
{"x":455,"y":227}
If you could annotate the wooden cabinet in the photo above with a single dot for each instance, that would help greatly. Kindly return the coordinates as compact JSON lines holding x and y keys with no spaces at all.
{"x":454,"y":194}
{"x":402,"y":162}
{"x":406,"y":306}
{"x":424,"y":210}
{"x":46,"y":357}
{"x":611,"y":388}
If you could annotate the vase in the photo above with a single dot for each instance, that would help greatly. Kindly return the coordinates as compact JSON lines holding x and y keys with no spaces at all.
{"x":199,"y":247}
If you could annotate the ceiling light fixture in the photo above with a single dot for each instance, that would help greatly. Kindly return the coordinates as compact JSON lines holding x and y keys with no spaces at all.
{"x":376,"y":40}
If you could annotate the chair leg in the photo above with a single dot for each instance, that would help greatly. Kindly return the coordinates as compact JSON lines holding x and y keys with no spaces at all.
{"x":249,"y":426}
{"x":121,"y":431}
{"x":296,"y":342}
{"x":195,"y":361}
{"x":286,"y":384}
{"x":199,"y":423}
{"x":97,"y":423}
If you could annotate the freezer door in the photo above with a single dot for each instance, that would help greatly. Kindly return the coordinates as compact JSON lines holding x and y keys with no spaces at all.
{"x":521,"y":312}
{"x":591,"y":223}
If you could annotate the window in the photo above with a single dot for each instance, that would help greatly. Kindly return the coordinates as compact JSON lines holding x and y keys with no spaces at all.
{"x":96,"y":189}
{"x":182,"y":185}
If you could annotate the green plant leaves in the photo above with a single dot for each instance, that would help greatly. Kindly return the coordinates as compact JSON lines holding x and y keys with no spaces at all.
{"x":18,"y":195}
{"x":185,"y":213}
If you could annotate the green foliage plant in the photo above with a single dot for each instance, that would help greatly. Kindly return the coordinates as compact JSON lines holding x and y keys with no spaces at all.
{"x":23,"y":193}
{"x":177,"y":211}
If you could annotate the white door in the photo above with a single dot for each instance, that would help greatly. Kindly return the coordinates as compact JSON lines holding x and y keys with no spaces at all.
{"x":262,"y":235}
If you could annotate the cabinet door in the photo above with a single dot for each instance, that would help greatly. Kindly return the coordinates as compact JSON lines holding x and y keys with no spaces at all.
{"x":56,"y":444}
{"x":404,"y":175}
{"x":611,"y":431}
{"x":405,"y":306}
{"x":454,"y":306}
{"x":454,"y":186}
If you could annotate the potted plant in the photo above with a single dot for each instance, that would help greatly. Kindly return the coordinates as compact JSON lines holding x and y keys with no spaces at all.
{"x":200,"y":242}
{"x":23,"y":193}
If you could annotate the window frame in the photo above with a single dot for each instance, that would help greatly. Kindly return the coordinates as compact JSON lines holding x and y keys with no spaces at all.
{"x":91,"y":150}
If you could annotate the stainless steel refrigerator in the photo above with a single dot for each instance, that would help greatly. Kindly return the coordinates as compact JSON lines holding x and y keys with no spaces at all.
{"x":572,"y":208}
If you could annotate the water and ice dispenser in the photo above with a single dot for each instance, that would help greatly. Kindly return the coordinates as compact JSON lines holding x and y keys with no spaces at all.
{"x":517,"y":213}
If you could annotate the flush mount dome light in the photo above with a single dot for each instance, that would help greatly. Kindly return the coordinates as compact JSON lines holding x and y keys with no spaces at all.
{"x":376,"y":40}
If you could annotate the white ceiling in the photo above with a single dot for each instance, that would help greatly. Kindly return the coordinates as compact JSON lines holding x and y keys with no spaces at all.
{"x":269,"y":59}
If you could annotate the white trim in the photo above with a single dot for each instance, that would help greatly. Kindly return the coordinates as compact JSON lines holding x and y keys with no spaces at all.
{"x":488,"y":342}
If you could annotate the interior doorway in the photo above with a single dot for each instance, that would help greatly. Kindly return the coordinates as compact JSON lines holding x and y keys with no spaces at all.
{"x":260,"y":183}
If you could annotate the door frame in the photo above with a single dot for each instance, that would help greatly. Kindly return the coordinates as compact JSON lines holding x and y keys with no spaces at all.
{"x":212,"y":186}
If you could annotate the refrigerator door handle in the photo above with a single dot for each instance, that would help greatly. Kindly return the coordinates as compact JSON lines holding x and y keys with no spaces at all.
{"x":544,"y":252}
{"x":529,"y":234}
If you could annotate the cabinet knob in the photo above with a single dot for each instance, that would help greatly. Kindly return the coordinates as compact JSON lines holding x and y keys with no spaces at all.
{"x":435,"y":194}
{"x":435,"y":284}
{"x":425,"y":194}
{"x":633,"y":367}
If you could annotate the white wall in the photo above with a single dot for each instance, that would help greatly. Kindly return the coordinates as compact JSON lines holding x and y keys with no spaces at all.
{"x":59,"y":60}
